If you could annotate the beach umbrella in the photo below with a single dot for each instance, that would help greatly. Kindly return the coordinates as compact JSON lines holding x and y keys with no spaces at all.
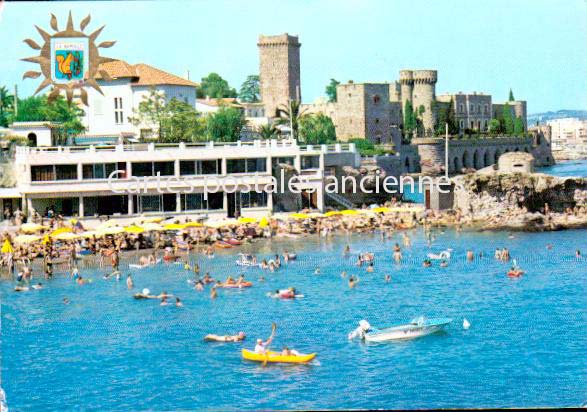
{"x":61,"y":230}
{"x":107,"y":224}
{"x":315,"y":215}
{"x":349,"y":212}
{"x":152,"y":226}
{"x":263,"y":223}
{"x":299,"y":216}
{"x":65,"y":236}
{"x":381,"y":210}
{"x":247,"y":220}
{"x":32,"y":227}
{"x":134,"y":229}
{"x":46,"y":239}
{"x":192,"y":224}
{"x":220,"y":223}
{"x":109,"y":231}
{"x":332,"y":213}
{"x":24,"y":239}
{"x":7,"y":247}
{"x":173,"y":226}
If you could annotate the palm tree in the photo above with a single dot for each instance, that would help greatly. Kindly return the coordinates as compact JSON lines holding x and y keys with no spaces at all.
{"x":268,"y":132}
{"x":6,"y":104}
{"x":291,"y":116}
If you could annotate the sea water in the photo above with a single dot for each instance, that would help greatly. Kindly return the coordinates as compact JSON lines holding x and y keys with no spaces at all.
{"x":107,"y":351}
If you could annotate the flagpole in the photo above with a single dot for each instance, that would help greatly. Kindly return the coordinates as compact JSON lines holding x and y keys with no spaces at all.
{"x":446,"y":151}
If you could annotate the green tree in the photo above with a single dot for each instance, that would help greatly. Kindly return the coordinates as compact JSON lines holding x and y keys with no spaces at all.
{"x":215,"y":86}
{"x":511,"y":97}
{"x":66,"y":117}
{"x":225,"y":125}
{"x":446,"y":115}
{"x":268,"y":132}
{"x":174,"y":121}
{"x":291,"y":115}
{"x":6,"y":106}
{"x":182,"y":123}
{"x":152,"y":111}
{"x":317,"y":129}
{"x":366,"y":147}
{"x":250,"y":90}
{"x":508,"y":119}
{"x":331,"y":90}
{"x":410,"y":123}
{"x":518,"y":126}
{"x":494,"y":127}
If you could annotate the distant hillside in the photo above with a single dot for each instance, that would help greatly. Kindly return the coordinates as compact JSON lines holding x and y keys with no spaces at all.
{"x":560,"y":114}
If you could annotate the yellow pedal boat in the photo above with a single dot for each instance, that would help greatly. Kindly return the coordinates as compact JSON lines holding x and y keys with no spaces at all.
{"x":276,"y":357}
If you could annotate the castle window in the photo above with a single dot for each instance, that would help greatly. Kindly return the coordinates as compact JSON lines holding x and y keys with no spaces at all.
{"x":462,"y":124}
{"x":472,"y":108}
{"x":479,"y":109}
{"x":461,"y":108}
{"x":376,"y":120}
{"x":376,"y":99}
{"x":486,"y":109}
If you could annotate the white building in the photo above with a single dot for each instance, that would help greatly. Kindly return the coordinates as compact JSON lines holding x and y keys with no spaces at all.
{"x":78,"y":181}
{"x":107,"y":117}
{"x":569,"y":137}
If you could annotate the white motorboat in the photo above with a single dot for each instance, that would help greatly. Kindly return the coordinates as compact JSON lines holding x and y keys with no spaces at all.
{"x":415,"y":329}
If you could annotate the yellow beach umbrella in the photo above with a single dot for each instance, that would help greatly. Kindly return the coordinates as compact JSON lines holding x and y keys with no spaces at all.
{"x":381,"y":210}
{"x":7,"y":247}
{"x":152,"y":226}
{"x":263,"y":223}
{"x":134,"y":229}
{"x":247,"y":220}
{"x":173,"y":226}
{"x":25,"y":239}
{"x":32,"y":227}
{"x":332,"y":213}
{"x":193,"y":224}
{"x":61,"y":230}
{"x":299,"y":216}
{"x":109,"y":231}
{"x":65,"y":236}
{"x":349,"y":212}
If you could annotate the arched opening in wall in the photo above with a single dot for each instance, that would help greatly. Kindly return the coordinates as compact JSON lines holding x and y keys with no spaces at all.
{"x":507,"y":150}
{"x":407,"y":165}
{"x":488,"y":159}
{"x":538,"y":140}
{"x":458,"y":166}
{"x":517,"y":149}
{"x":527,"y":150}
{"x":466,"y":159}
{"x":32,"y":137}
{"x":476,"y":159}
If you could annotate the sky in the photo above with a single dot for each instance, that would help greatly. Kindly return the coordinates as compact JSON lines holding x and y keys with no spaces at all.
{"x":536,"y":47}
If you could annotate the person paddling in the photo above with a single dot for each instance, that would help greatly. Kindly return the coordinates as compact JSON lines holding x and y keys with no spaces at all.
{"x":261,"y":347}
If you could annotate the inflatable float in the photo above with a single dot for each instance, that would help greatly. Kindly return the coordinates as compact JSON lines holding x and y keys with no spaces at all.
{"x":276,"y":357}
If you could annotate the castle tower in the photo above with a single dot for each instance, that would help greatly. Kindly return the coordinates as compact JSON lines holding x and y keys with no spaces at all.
{"x":423,"y":96}
{"x":406,"y":80}
{"x":279,"y":71}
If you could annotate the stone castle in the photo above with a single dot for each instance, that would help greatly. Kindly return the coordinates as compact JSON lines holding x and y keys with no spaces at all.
{"x":375,"y":111}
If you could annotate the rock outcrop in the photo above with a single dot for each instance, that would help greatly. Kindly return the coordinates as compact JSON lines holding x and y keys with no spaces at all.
{"x":524,"y":201}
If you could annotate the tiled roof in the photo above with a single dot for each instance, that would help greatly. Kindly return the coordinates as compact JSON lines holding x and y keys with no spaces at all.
{"x":143,"y":74}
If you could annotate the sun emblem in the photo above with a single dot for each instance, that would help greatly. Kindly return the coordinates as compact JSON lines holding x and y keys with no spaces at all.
{"x":69,"y":60}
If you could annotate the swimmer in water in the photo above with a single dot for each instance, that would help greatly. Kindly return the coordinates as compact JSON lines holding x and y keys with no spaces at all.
{"x":578,"y":254}
{"x":470,"y":255}
{"x":65,"y":301}
{"x":225,"y":338}
{"x":129,"y":283}
{"x":317,"y":271}
{"x":343,"y":274}
{"x":199,"y":286}
{"x":164,"y":301}
{"x":370,"y":268}
{"x":213,"y":293}
{"x":353,"y":281}
{"x":37,"y":286}
{"x":347,"y":250}
{"x":427,"y":263}
{"x":262,"y":278}
{"x":443,"y":264}
{"x":178,"y":302}
{"x":387,"y":278}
